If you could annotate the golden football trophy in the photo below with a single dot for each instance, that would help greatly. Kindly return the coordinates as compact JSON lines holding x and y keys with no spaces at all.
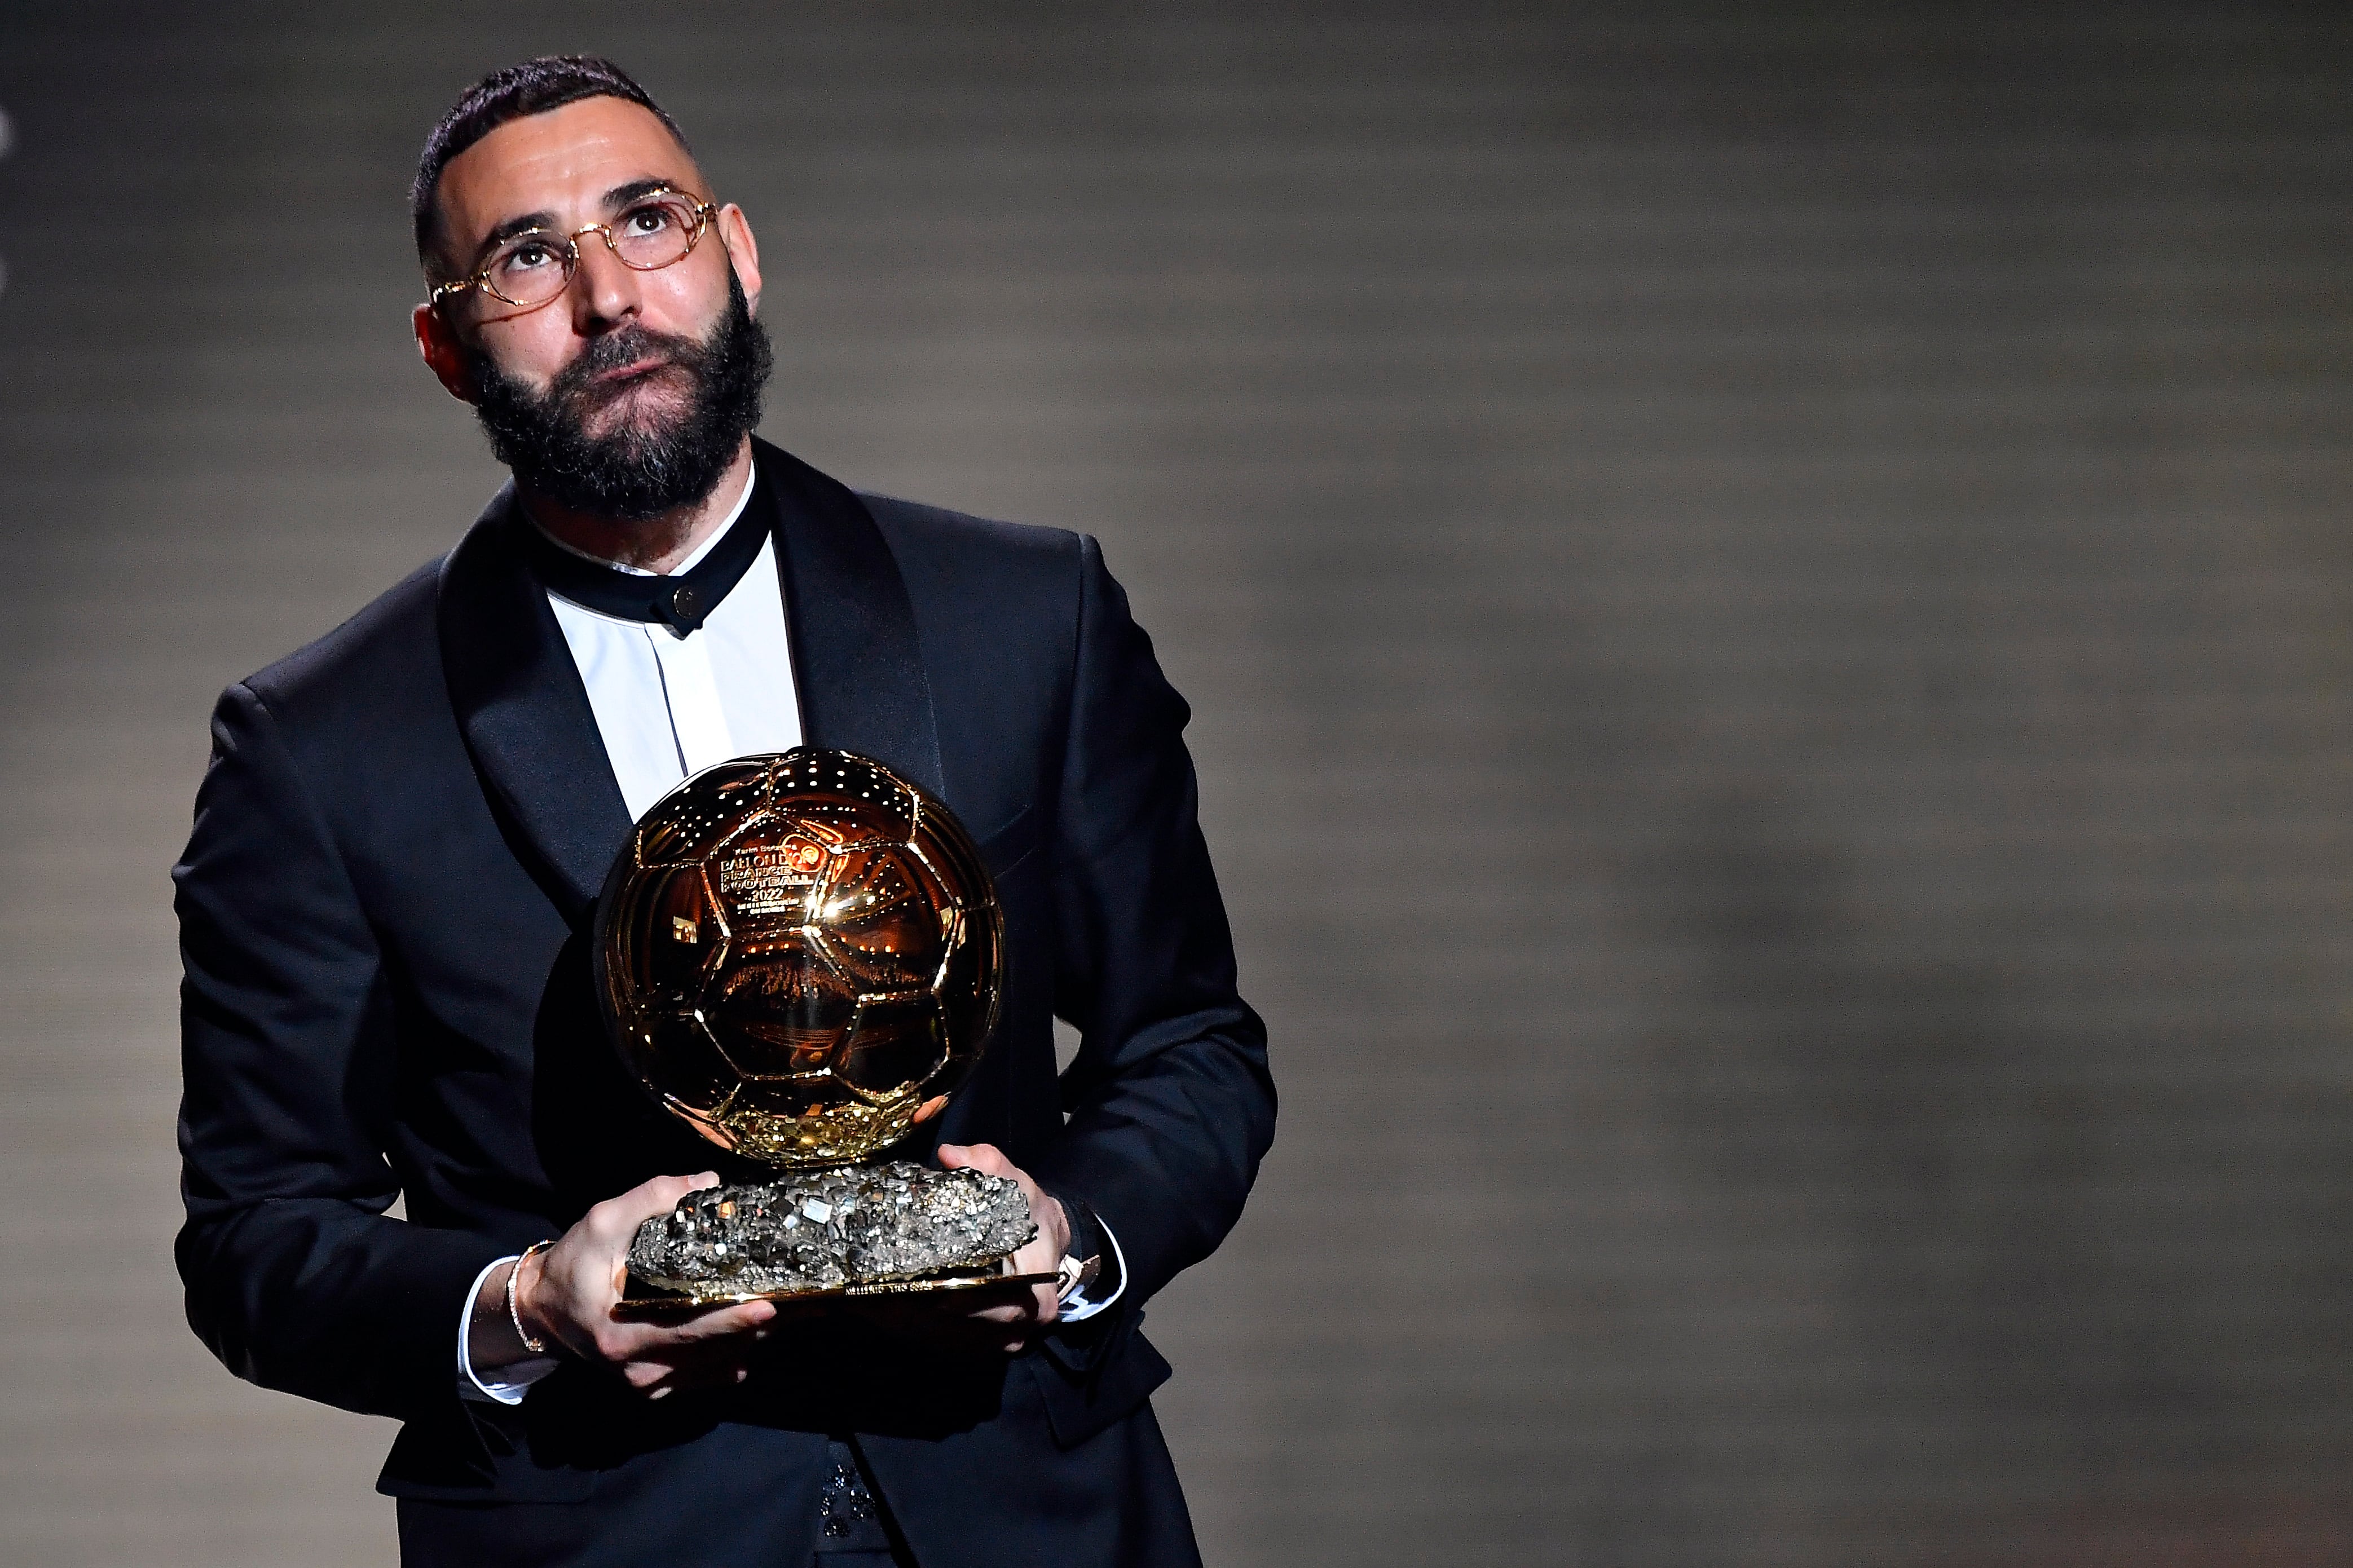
{"x":801,"y":956}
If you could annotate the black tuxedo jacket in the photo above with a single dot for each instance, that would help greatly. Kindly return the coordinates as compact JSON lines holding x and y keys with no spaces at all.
{"x":384,"y":909}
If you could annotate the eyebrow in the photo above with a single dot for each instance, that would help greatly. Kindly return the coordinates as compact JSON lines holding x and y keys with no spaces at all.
{"x":619,"y":196}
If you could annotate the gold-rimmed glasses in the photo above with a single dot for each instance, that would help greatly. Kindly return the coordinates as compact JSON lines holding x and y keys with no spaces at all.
{"x":528,"y":269}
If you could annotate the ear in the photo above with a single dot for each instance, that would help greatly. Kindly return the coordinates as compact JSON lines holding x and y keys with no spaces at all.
{"x":444,"y":355}
{"x":735,"y":233}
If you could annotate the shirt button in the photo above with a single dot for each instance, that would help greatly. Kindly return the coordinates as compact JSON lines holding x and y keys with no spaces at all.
{"x":686,"y":604}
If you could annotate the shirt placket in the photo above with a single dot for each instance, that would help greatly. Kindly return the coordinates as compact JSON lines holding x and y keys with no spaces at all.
{"x":697,"y":720}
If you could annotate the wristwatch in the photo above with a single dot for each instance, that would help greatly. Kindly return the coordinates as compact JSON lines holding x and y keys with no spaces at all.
{"x":1081,"y":1262}
{"x":1072,"y":1276}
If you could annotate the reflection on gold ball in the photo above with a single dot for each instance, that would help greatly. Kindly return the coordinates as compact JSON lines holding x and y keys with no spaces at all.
{"x":800,"y":954}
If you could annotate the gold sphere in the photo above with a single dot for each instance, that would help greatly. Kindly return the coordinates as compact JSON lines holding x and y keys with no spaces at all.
{"x":800,"y":954}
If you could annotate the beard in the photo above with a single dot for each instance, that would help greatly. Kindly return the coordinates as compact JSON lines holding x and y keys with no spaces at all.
{"x":646,"y":462}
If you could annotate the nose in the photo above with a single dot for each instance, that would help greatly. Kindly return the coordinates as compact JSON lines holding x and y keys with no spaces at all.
{"x":604,"y":292}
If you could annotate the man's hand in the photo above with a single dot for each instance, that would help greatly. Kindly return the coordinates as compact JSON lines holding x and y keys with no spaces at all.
{"x":567,"y":1294}
{"x":1005,"y":1317}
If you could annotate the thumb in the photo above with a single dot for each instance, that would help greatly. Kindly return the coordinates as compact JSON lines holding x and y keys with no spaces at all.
{"x":986,"y":1158}
{"x":657,"y":1196}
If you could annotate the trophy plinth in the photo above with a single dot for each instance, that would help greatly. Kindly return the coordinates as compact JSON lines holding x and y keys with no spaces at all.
{"x":860,"y":1230}
{"x":801,"y":956}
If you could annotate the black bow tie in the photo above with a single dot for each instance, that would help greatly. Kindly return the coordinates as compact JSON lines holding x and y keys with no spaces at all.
{"x":681,"y":601}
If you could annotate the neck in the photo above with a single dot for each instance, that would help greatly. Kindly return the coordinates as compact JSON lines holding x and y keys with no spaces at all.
{"x":655,"y":544}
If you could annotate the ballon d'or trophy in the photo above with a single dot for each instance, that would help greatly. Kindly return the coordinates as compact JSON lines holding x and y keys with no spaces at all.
{"x":801,"y":956}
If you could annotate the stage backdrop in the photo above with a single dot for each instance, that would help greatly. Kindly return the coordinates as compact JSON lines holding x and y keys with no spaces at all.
{"x":1766,"y":591}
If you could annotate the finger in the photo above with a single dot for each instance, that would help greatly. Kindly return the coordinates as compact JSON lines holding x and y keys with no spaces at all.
{"x":1031,"y":1304}
{"x":617,"y":1218}
{"x":1003,"y":1317}
{"x":986,"y":1158}
{"x":619,"y":1340}
{"x":688,"y":1366}
{"x":723,"y":1322}
{"x":1038,"y":1255}
{"x":718,"y":1323}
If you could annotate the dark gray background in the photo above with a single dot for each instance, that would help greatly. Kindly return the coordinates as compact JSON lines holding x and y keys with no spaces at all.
{"x":1766,"y":591}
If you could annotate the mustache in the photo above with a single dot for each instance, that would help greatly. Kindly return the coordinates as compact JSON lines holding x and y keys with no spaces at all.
{"x":619,"y":350}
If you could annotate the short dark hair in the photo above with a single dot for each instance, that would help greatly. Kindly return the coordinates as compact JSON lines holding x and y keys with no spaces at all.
{"x":534,"y":86}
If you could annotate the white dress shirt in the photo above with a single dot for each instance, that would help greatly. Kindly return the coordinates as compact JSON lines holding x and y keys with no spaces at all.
{"x":670,"y":703}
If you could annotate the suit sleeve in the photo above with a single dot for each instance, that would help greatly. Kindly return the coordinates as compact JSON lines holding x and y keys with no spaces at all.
{"x":296,"y":1277}
{"x":1171,"y":1105}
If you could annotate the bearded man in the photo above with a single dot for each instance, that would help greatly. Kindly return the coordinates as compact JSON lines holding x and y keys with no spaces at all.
{"x":385,"y":904}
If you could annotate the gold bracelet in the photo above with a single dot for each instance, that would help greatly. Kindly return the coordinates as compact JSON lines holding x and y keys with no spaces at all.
{"x":514,"y":1316}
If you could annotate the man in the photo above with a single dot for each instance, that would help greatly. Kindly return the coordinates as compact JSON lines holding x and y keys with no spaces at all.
{"x":398,"y":846}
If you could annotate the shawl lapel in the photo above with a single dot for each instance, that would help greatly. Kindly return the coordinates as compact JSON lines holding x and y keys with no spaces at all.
{"x":858,"y":672}
{"x":524,"y":712}
{"x":857,"y":666}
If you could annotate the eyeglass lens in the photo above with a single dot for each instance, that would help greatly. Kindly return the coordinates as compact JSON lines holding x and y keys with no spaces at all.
{"x":534,"y":267}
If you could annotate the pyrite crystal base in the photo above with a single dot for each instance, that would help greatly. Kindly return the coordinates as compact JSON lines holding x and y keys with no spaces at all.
{"x":857,"y":1230}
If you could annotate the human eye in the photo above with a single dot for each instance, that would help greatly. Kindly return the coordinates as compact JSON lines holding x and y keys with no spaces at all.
{"x":525,"y":253}
{"x":651,"y":219}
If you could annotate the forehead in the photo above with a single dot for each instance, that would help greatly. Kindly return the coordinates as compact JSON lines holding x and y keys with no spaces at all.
{"x":561,"y":163}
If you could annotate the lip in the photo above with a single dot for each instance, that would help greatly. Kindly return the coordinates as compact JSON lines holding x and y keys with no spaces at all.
{"x":635,"y":371}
